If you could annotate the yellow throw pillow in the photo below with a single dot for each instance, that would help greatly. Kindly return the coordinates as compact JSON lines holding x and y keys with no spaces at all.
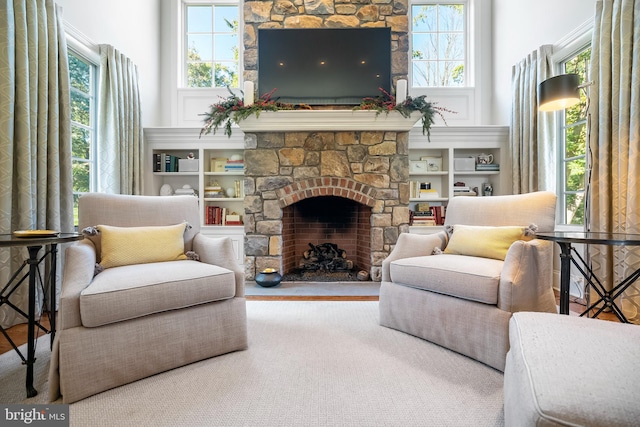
{"x":483,"y":241}
{"x":141,"y":245}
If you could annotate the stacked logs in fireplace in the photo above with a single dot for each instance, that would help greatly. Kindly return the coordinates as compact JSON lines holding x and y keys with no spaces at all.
{"x":325,"y":257}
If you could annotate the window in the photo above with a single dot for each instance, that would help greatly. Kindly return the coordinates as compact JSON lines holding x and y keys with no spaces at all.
{"x":573,"y":146}
{"x":212,"y":49}
{"x":438,"y":44}
{"x":82,"y":75}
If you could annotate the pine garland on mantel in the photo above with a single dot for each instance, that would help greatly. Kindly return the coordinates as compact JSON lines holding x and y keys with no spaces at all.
{"x":233,"y":110}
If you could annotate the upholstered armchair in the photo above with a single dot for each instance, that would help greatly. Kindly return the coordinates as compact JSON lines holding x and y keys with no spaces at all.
{"x":459,"y":288}
{"x":143,"y":293}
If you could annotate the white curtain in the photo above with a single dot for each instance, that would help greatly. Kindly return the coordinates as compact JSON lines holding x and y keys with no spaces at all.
{"x":35,"y":131}
{"x":615,"y":141}
{"x":532,"y":140}
{"x":120,"y":130}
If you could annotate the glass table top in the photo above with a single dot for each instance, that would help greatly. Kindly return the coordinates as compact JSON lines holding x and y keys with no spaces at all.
{"x":591,"y":237}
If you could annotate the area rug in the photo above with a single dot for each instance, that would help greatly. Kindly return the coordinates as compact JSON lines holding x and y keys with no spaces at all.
{"x":309,"y":363}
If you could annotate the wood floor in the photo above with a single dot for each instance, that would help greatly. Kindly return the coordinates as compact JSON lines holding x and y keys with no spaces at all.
{"x":18,"y":333}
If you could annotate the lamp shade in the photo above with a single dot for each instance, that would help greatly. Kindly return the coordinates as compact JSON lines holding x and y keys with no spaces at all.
{"x":559,"y":92}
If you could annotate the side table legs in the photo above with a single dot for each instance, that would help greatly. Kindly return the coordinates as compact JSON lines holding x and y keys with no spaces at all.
{"x":31,"y":348}
{"x":565,"y":276}
{"x":53,"y":249}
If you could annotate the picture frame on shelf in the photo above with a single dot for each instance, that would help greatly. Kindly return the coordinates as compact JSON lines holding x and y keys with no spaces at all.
{"x":417,"y":166}
{"x":434,"y":164}
{"x":218,"y":163}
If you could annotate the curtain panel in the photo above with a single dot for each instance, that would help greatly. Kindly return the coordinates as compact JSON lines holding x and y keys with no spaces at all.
{"x":35,"y":138}
{"x":615,"y":141}
{"x":531,"y":137}
{"x":120,"y":131}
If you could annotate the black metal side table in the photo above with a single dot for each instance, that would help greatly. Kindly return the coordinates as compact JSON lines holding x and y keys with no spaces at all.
{"x":34,"y":244}
{"x":569,"y":256}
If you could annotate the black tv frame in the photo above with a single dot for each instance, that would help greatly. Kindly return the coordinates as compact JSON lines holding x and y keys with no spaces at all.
{"x":324,"y":66}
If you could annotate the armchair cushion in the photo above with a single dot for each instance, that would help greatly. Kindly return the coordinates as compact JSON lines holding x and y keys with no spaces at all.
{"x":139,"y":245}
{"x":484,"y":241}
{"x":461,"y":276}
{"x":128,"y":292}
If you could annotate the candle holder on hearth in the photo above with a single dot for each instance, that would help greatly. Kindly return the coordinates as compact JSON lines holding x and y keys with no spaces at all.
{"x":268,"y":278}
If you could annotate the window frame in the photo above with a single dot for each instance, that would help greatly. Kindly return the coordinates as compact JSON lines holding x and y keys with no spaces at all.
{"x":468,"y":48}
{"x":87,"y":51}
{"x":183,"y":42}
{"x":574,"y":44}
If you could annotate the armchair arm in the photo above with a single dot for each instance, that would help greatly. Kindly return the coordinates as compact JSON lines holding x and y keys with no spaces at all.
{"x":219,"y":251}
{"x":526,"y":282}
{"x":412,"y":245}
{"x":79,"y":266}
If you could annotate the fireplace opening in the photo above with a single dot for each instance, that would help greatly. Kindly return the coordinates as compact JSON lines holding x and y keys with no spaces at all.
{"x":332,"y":230}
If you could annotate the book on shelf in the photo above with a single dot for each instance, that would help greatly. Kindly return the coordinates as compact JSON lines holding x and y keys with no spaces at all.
{"x":422,"y":218}
{"x":465,"y":193}
{"x":424,"y":223}
{"x":422,"y":207}
{"x":239,"y":188}
{"x":422,"y":190}
{"x":488,"y":167}
{"x":163,"y":162}
{"x":439,"y":213}
{"x":460,"y":189}
{"x":431,"y":217}
{"x":429,"y":194}
{"x":234,"y":166}
{"x":233,"y":219}
{"x":217,"y":215}
{"x":224,"y":164}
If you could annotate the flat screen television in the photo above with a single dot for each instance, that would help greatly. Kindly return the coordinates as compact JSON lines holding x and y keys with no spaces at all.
{"x":324,"y":66}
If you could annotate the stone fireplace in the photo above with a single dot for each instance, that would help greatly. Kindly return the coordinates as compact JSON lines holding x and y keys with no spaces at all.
{"x":293,"y":157}
{"x":368,"y":168}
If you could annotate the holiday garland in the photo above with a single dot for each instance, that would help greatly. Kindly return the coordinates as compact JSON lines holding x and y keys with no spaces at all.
{"x":233,"y":110}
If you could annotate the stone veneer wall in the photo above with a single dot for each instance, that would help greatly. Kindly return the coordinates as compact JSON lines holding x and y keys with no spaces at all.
{"x":327,"y":14}
{"x":282,"y":168}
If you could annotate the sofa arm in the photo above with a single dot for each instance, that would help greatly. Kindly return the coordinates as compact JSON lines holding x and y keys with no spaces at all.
{"x":79,"y":267}
{"x":219,"y":251}
{"x":412,"y":245}
{"x":526,"y":282}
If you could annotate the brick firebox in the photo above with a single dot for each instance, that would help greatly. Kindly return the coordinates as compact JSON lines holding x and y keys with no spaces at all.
{"x":282,"y":168}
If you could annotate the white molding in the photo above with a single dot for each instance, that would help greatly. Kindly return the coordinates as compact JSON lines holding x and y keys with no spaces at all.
{"x":573,"y":42}
{"x":82,"y":44}
{"x":327,"y":120}
{"x":190,"y":135}
{"x":459,"y":137}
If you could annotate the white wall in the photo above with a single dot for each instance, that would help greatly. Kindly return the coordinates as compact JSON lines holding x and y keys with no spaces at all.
{"x":132,"y":27}
{"x":520,"y":27}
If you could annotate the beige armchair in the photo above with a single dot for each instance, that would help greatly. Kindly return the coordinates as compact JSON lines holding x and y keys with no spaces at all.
{"x":131,"y":321}
{"x":464,"y":302}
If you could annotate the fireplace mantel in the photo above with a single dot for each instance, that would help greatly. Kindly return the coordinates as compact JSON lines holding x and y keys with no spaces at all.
{"x":328,"y":120}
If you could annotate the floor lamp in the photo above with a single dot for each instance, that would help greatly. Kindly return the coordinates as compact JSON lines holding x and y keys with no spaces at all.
{"x":559,"y":93}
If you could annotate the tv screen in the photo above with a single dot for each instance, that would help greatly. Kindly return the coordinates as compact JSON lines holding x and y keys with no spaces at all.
{"x":324,"y":66}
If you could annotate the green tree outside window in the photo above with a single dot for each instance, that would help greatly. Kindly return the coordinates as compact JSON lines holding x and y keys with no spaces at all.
{"x":574,"y":146}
